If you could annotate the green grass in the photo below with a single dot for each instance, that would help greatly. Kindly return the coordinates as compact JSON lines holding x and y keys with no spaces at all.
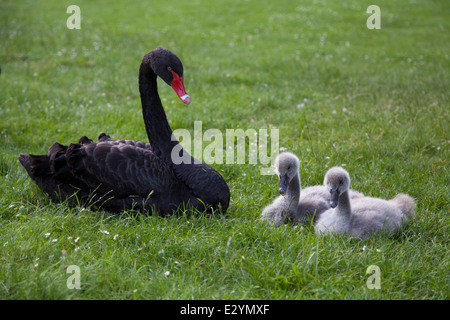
{"x":374,"y":100}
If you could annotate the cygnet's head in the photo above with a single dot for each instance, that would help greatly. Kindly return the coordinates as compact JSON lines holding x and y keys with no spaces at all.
{"x":286,"y":167}
{"x":337,"y":181}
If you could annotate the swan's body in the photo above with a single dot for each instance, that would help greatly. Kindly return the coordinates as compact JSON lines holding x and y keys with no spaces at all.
{"x":296,"y":205}
{"x":120,"y":175}
{"x":362,"y":216}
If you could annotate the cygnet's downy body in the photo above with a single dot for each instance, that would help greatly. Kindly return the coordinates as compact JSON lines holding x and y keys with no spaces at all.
{"x":361,"y":216}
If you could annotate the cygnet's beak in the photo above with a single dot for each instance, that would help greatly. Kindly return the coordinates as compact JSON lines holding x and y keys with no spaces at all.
{"x":334,"y":198}
{"x":283,"y":185}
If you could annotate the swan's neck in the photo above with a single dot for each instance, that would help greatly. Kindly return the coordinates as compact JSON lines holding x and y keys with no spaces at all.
{"x":158,"y":129}
{"x":293,"y":190}
{"x":344,"y":208}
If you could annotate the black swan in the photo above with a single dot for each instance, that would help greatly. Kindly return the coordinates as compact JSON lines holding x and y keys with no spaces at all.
{"x":117,"y":175}
{"x":362,"y":216}
{"x":296,"y":205}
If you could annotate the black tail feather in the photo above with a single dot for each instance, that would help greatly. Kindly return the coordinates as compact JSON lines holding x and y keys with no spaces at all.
{"x":38,"y":168}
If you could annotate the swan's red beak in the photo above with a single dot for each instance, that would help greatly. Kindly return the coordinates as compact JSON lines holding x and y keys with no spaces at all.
{"x":178,"y":85}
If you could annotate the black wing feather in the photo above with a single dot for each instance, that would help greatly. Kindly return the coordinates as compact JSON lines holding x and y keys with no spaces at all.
{"x":120,"y":168}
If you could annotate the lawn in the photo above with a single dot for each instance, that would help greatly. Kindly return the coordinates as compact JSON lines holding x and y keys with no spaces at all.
{"x":374,"y":101}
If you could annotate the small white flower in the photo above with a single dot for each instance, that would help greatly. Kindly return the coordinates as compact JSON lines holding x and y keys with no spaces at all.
{"x":47,"y":234}
{"x":36,"y":264}
{"x":6,"y":243}
{"x":229,"y":241}
{"x":364,"y":248}
{"x":115,"y":236}
{"x":69,"y":238}
{"x":76,"y":240}
{"x":104,"y":231}
{"x":333,"y":112}
{"x":166,"y":273}
{"x":77,"y":248}
{"x":378,"y":250}
{"x":54,"y":240}
{"x":161,"y":252}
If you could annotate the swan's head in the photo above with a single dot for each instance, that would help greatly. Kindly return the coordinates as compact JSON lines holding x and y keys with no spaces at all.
{"x":286,"y":167}
{"x":337,"y":181}
{"x":169,"y":68}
